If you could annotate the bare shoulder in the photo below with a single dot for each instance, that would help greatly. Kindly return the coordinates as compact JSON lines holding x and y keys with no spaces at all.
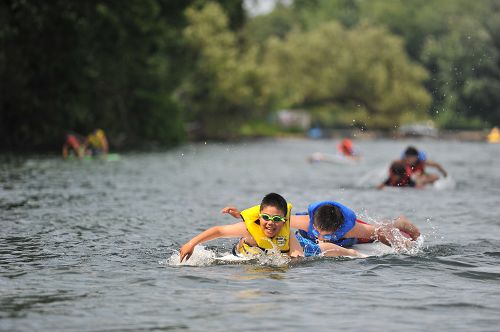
{"x":299,"y":221}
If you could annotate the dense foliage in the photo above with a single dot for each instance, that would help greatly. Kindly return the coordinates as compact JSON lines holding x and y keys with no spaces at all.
{"x":153,"y":70}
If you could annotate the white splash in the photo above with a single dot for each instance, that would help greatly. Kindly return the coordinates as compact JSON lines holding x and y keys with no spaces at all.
{"x":400,"y":243}
{"x":444,"y":183}
{"x":200,"y":257}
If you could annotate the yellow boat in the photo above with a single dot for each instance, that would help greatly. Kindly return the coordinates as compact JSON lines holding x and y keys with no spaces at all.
{"x":494,"y":135}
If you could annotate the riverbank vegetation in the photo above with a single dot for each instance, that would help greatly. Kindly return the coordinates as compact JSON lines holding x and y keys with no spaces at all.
{"x":163,"y":71}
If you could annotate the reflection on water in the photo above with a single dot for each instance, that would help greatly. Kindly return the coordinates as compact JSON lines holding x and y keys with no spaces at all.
{"x":93,"y":246}
{"x":253,"y":272}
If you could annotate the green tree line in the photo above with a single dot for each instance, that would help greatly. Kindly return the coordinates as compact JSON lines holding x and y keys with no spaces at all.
{"x":159,"y":70}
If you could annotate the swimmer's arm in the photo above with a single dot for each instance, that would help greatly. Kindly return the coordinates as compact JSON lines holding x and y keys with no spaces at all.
{"x":384,"y":233}
{"x":295,"y":247}
{"x":234,"y":230}
{"x":232,"y":211}
{"x":405,"y":225}
{"x":367,"y":231}
{"x":436,"y":165}
{"x":329,"y":249}
{"x":65,"y":151}
{"x":300,"y":222}
{"x":383,"y":184}
{"x":363,"y":231}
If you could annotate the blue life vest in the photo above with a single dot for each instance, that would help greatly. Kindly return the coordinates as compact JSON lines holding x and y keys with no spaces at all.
{"x":344,"y":242}
{"x":338,"y":238}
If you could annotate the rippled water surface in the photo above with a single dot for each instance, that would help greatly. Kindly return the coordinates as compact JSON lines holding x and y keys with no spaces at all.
{"x":85,"y":246}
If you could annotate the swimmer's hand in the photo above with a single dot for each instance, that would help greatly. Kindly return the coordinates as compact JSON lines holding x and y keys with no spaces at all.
{"x":186,"y":251}
{"x":355,"y":253}
{"x":231,"y":210}
{"x":405,"y":225}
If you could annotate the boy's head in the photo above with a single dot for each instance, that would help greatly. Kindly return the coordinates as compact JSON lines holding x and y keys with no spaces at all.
{"x":274,"y":200}
{"x":273,"y":211}
{"x":411,"y":155}
{"x":411,"y":151}
{"x":328,"y":218}
{"x":398,"y":169}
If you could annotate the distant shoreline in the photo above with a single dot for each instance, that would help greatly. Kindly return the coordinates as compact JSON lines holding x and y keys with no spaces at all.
{"x":459,"y":135}
{"x":450,"y":135}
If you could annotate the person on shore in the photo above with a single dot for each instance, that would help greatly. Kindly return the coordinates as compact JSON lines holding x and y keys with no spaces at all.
{"x":264,"y":228}
{"x":73,"y":145}
{"x":333,"y":223}
{"x":417,"y":161}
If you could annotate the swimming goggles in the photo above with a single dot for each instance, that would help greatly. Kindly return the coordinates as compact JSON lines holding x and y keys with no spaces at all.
{"x":325,"y":237}
{"x":274,"y":219}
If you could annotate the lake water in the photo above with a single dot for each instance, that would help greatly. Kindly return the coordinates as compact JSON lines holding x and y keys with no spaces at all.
{"x":90,"y":246}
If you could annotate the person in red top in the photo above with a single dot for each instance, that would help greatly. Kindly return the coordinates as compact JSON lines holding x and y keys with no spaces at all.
{"x":400,"y":176}
{"x":74,"y":144}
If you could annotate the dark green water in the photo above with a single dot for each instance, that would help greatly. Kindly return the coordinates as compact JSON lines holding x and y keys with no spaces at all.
{"x":85,"y":246}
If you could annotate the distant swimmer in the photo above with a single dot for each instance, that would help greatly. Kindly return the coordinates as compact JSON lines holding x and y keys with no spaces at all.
{"x":417,"y":160}
{"x":346,"y":154}
{"x":494,"y":135}
{"x":97,"y":143}
{"x":264,"y":229}
{"x":73,"y":145}
{"x":400,"y":175}
{"x":333,"y":223}
{"x":346,"y":148}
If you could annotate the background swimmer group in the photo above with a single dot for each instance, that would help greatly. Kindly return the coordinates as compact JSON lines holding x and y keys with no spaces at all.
{"x":410,"y":170}
{"x":328,"y":229}
{"x":94,"y":144}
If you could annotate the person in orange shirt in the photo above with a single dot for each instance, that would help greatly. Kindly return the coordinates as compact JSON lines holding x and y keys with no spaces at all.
{"x":346,"y":148}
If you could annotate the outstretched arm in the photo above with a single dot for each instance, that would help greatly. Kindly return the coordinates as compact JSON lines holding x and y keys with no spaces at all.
{"x":405,"y":225}
{"x":234,"y":230}
{"x":65,"y":152}
{"x":232,"y":211}
{"x":383,"y":184}
{"x":362,"y":231}
{"x":329,"y":249}
{"x":436,"y":165}
{"x":385,"y":233}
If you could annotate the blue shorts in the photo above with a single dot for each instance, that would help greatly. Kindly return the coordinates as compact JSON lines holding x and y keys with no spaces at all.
{"x":311,"y":248}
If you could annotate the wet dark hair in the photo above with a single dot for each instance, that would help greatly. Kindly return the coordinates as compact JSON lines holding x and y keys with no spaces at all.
{"x":328,"y":218}
{"x":276,"y":201}
{"x":398,"y":168}
{"x":411,"y":151}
